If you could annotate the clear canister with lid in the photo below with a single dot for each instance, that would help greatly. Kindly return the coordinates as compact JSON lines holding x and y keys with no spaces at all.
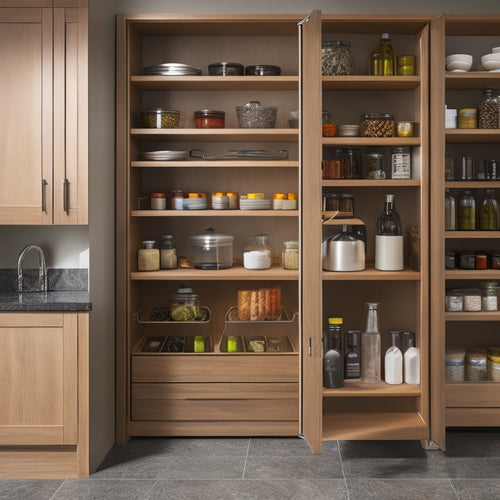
{"x":475,"y":365}
{"x":352,"y":163}
{"x":333,"y":163}
{"x":168,"y":252}
{"x":472,"y":299}
{"x":373,"y":166}
{"x":148,"y":257}
{"x":160,"y":118}
{"x":489,"y":295}
{"x":454,"y":301}
{"x":454,"y":362}
{"x":336,"y":58}
{"x":158,"y":201}
{"x":258,"y":253}
{"x":184,"y":305}
{"x":401,"y":162}
{"x":377,"y":125}
{"x":406,"y":65}
{"x":290,"y":255}
{"x":489,"y":110}
{"x":467,"y":118}
{"x":209,"y":118}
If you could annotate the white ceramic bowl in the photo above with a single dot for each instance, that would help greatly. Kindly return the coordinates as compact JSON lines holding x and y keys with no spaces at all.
{"x":491,"y":61}
{"x":458,"y":66}
{"x":495,"y":49}
{"x":348,"y":131}
{"x":458,"y":57}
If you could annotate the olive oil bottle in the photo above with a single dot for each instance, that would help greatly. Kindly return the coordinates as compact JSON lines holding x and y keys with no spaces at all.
{"x":488,"y":212}
{"x":382,"y":57}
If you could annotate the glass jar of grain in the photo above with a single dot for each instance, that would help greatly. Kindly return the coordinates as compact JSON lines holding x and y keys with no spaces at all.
{"x":290,"y":255}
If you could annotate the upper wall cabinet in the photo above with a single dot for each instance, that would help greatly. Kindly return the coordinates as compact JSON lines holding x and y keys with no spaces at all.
{"x":43,"y":152}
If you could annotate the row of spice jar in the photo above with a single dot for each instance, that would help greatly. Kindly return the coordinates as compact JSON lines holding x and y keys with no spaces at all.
{"x":467,"y":168}
{"x":352,"y":163}
{"x":472,"y":365}
{"x":485,"y":116}
{"x":480,"y":260}
{"x":484,"y":298}
{"x":463,"y":215}
{"x":182,"y":200}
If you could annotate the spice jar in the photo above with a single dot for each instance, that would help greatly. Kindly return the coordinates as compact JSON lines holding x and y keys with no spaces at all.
{"x":489,"y":111}
{"x":208,"y":118}
{"x":158,"y":201}
{"x":472,"y":300}
{"x":467,"y":261}
{"x":168,"y":252}
{"x":333,"y":165}
{"x":148,"y":258}
{"x":454,"y":362}
{"x":373,"y":166}
{"x":454,"y":301}
{"x":475,"y":365}
{"x":489,"y":295}
{"x":160,"y":118}
{"x":257,"y":254}
{"x":336,"y":58}
{"x":481,"y":260}
{"x":449,"y":260}
{"x":406,"y":65}
{"x":467,"y":118}
{"x":401,"y":163}
{"x":290,"y":255}
{"x":177,"y":199}
{"x":404,"y":128}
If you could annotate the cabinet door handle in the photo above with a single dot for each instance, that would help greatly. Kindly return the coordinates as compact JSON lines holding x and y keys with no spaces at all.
{"x":44,"y":195}
{"x":310,"y":348}
{"x":66,"y":195}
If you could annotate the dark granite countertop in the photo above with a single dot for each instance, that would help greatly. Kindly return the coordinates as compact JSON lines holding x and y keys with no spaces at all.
{"x":68,"y":291}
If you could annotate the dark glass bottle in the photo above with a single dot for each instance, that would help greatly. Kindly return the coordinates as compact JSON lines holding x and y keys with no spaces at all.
{"x":352,"y":358}
{"x":389,"y":240}
{"x":333,"y":359}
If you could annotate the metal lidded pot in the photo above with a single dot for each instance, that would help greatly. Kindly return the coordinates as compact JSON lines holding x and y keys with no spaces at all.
{"x":343,"y":252}
{"x":211,"y":250}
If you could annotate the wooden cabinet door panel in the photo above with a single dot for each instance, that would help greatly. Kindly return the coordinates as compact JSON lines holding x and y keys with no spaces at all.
{"x":26,"y":125}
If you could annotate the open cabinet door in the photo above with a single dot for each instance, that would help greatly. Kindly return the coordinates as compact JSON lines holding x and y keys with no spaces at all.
{"x":310,"y":228}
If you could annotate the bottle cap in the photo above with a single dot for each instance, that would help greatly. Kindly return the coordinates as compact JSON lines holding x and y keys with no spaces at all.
{"x":335,"y":321}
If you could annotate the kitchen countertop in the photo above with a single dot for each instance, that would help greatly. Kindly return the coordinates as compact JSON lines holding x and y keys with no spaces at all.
{"x":63,"y":301}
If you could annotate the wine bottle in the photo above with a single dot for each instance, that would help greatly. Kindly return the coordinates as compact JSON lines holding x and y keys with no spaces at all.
{"x":389,"y":239}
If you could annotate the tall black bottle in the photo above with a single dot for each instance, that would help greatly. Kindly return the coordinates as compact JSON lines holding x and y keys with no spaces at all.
{"x":333,"y":358}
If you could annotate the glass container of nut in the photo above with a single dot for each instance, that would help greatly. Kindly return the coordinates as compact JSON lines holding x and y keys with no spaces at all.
{"x":377,"y":125}
{"x":336,"y":58}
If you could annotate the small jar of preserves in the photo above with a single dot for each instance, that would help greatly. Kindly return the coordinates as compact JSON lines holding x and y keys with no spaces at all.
{"x":467,"y":118}
{"x":208,"y":118}
{"x":404,"y":128}
{"x":158,"y":201}
{"x":290,"y":255}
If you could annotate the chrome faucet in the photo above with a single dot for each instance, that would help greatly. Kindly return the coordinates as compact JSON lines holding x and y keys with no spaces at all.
{"x":43,"y":268}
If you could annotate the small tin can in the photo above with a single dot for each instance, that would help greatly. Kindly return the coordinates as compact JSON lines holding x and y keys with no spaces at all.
{"x":467,"y":118}
{"x":406,"y":65}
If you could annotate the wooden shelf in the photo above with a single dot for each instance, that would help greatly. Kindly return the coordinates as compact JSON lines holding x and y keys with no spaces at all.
{"x":472,"y":316}
{"x":154,"y":82}
{"x":371,"y":183}
{"x":472,"y":274}
{"x":214,"y":213}
{"x":474,"y":136}
{"x":357,"y":388}
{"x":220,"y":134}
{"x":374,"y":425}
{"x":216,"y":164}
{"x":372,"y":274}
{"x":471,"y":235}
{"x":341,"y":222}
{"x":234,"y":273}
{"x":472,"y":184}
{"x":368,"y":82}
{"x":371,"y":141}
{"x":473,"y":80}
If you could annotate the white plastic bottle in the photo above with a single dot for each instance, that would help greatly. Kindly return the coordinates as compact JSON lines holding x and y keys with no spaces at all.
{"x":394,"y":362}
{"x":412,"y":365}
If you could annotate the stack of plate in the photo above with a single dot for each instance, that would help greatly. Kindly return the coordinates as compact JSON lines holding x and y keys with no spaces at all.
{"x":195,"y":203}
{"x":165,"y":155}
{"x":220,"y":202}
{"x":254,"y":204}
{"x":172,"y":69}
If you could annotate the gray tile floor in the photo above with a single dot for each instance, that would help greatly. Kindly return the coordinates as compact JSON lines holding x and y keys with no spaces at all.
{"x":282,"y":468}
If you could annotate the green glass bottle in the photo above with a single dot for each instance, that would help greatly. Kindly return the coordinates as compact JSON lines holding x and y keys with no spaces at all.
{"x":467,"y":212}
{"x":382,"y":57}
{"x":488,"y":213}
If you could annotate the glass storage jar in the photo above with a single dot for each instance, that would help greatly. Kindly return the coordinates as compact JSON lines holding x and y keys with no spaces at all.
{"x":472,"y":299}
{"x":290,"y":255}
{"x":467,"y":212}
{"x":401,"y":163}
{"x":377,"y":125}
{"x":406,"y":65}
{"x":168,"y":252}
{"x":158,"y":201}
{"x":148,"y":257}
{"x":211,"y":250}
{"x":184,"y":305}
{"x":467,"y":118}
{"x":333,"y":163}
{"x":454,"y":362}
{"x":450,"y":211}
{"x":454,"y":301}
{"x":258,"y":253}
{"x":373,"y":166}
{"x":336,"y":58}
{"x":209,"y":118}
{"x":160,"y":118}
{"x":489,"y":295}
{"x":475,"y":365}
{"x":489,"y":110}
{"x":352,"y":164}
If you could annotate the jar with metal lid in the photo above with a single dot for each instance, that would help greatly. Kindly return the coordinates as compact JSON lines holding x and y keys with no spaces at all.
{"x":352,"y":164}
{"x":449,"y":260}
{"x":454,"y":362}
{"x":211,"y":250}
{"x":184,"y":305}
{"x":475,"y":365}
{"x":346,"y":205}
{"x":258,"y":253}
{"x":467,"y":118}
{"x":208,"y":118}
{"x":290,"y":255}
{"x":168,"y":252}
{"x":454,"y":301}
{"x":489,"y":295}
{"x":406,"y":65}
{"x":472,"y":299}
{"x":401,"y":163}
{"x":148,"y":257}
{"x":333,"y":163}
{"x":489,"y":110}
{"x":160,"y":118}
{"x":377,"y":125}
{"x":330,"y":202}
{"x":158,"y":201}
{"x":373,"y":166}
{"x":467,"y":261}
{"x":495,"y":261}
{"x":336,"y":58}
{"x":226,"y":69}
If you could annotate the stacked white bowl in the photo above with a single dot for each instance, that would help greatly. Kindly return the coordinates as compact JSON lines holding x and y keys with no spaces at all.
{"x":491,"y":62}
{"x":458,"y":63}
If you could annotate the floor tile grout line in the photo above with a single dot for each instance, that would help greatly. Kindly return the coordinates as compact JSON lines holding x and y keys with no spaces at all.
{"x":342,"y":468}
{"x":152,"y":489}
{"x":246,"y":459}
{"x":453,"y":488}
{"x":59,"y":487}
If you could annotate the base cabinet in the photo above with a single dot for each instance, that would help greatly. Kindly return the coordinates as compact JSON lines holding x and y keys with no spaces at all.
{"x":43,"y":395}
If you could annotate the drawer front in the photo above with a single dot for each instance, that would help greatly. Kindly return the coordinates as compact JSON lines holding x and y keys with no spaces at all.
{"x":215,"y":402}
{"x":473,"y":395}
{"x":216,"y":368}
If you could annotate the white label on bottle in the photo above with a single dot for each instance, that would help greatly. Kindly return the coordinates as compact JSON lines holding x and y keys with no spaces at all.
{"x":401,"y":166}
{"x":389,"y":253}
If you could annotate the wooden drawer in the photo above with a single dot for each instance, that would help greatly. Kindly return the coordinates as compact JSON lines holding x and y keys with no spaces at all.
{"x":216,"y":368}
{"x":473,"y":395}
{"x":231,"y":401}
